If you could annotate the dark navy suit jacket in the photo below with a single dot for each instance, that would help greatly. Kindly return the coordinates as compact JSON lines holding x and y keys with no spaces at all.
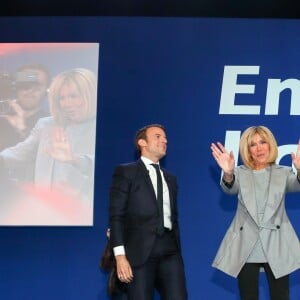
{"x":134,"y":215}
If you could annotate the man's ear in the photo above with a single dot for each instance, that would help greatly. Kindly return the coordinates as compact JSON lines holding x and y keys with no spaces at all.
{"x":142,"y":143}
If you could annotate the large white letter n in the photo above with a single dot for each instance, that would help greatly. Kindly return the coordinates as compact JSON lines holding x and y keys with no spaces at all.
{"x":230,"y":88}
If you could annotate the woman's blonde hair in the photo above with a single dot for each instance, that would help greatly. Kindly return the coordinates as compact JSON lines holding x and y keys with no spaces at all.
{"x":247,"y":139}
{"x":86,"y":83}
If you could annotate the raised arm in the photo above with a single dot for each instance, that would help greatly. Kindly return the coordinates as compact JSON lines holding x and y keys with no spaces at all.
{"x":224,"y":159}
{"x":296,"y":159}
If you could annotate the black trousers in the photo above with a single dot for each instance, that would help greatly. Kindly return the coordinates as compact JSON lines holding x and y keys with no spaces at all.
{"x":248,"y":280}
{"x":163,"y":271}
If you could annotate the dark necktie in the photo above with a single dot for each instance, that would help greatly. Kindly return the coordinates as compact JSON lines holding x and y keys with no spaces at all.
{"x":160,"y":229}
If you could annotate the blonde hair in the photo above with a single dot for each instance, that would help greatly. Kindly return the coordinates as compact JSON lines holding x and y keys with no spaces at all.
{"x":86,"y":83}
{"x":246,"y":140}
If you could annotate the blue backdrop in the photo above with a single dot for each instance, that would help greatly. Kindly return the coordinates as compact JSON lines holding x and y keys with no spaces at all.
{"x":205,"y":80}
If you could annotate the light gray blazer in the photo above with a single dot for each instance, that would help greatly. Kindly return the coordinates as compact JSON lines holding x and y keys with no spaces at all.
{"x":279,"y":239}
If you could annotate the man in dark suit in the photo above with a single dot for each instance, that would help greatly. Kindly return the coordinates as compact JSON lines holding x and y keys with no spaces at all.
{"x":144,"y":224}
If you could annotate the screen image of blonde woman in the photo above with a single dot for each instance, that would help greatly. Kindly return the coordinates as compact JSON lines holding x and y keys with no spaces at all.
{"x":47,"y":171}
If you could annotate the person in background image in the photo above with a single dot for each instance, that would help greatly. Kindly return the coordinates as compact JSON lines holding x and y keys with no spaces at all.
{"x":144,"y":230}
{"x":19,"y":114}
{"x":261,"y":235}
{"x":62,"y":146}
{"x":29,"y":104}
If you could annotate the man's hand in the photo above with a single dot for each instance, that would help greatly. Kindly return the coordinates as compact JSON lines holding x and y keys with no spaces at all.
{"x":17,"y":118}
{"x":124,"y":270}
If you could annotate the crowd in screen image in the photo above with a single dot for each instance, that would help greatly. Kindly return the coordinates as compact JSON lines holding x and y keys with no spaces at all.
{"x":47,"y":161}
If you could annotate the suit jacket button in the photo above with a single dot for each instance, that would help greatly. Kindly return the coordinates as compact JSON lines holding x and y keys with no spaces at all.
{"x":277,"y":226}
{"x":241,"y":228}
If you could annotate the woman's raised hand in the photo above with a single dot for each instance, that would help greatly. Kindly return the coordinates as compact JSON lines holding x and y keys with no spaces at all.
{"x":224,"y":159}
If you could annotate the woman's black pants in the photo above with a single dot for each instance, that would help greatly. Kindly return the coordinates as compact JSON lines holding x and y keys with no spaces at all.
{"x":248,"y":281}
